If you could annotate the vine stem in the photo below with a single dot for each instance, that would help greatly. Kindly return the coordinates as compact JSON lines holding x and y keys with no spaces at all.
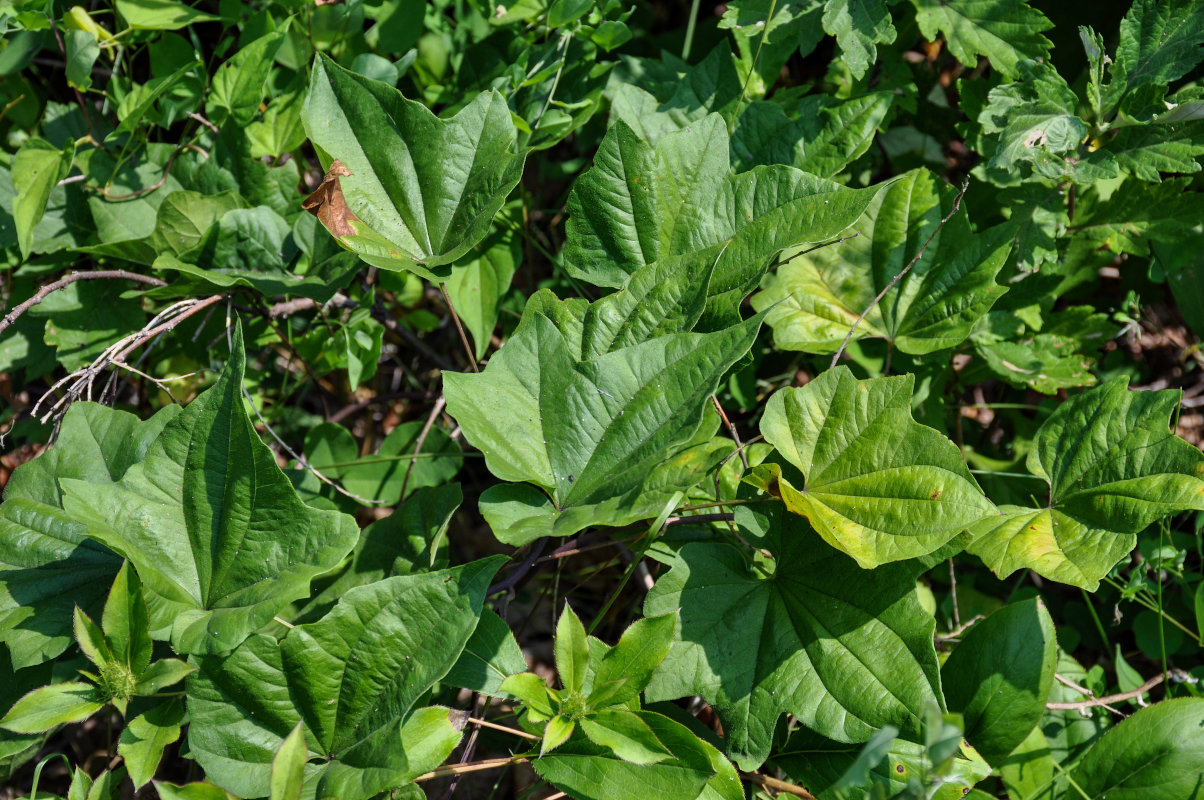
{"x":484,"y":723}
{"x":1112,"y":698}
{"x":690,"y":23}
{"x":472,"y":359}
{"x":957,"y":204}
{"x":62,"y":283}
{"x":449,"y":770}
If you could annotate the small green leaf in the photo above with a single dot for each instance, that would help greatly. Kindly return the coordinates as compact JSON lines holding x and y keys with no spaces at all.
{"x":1000,"y":675}
{"x":410,"y":191}
{"x":37,"y":168}
{"x":238,"y":85}
{"x":91,"y":640}
{"x":626,"y":734}
{"x":82,"y":52}
{"x":572,"y":652}
{"x":878,"y":485}
{"x":125,"y":621}
{"x":145,"y":737}
{"x":859,"y":26}
{"x":531,"y":689}
{"x":160,"y":15}
{"x":43,"y":709}
{"x":191,"y":791}
{"x":559,"y":729}
{"x":161,"y":674}
{"x":1153,"y":755}
{"x":627,"y":667}
{"x":288,"y":767}
{"x":478,"y":282}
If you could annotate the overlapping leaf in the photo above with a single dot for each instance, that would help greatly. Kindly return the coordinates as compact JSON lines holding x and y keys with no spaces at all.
{"x":640,"y":204}
{"x":1113,"y":467}
{"x":845,"y":651}
{"x":49,"y":563}
{"x":876,"y":484}
{"x":409,"y":191}
{"x":812,"y":301}
{"x":1005,"y":31}
{"x":588,"y":404}
{"x":211,"y":523}
{"x":352,"y":678}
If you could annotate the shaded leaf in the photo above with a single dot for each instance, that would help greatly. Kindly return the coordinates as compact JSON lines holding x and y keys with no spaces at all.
{"x":1005,"y":31}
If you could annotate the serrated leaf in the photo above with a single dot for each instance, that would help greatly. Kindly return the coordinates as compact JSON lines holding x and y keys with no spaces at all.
{"x":608,"y":427}
{"x":411,"y":191}
{"x":352,"y":676}
{"x":627,"y":667}
{"x":1154,"y":754}
{"x":144,"y":738}
{"x":843,"y":650}
{"x":50,"y":565}
{"x":859,"y":27}
{"x":91,"y":640}
{"x":1005,"y":31}
{"x":878,"y":485}
{"x":161,"y":674}
{"x":572,"y":653}
{"x":820,"y":135}
{"x":1159,"y":43}
{"x":1000,"y":675}
{"x":211,"y":523}
{"x":125,"y":622}
{"x":1113,"y":467}
{"x":640,"y":204}
{"x":1036,"y":122}
{"x":626,"y":734}
{"x":1138,"y":213}
{"x":592,"y":772}
{"x":813,"y":300}
{"x":44,"y":708}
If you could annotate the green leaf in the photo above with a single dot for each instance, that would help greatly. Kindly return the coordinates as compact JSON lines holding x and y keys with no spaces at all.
{"x":533,"y":692}
{"x":161,"y":674}
{"x":843,"y":650}
{"x":859,"y":26}
{"x":1160,"y":42}
{"x":211,"y":523}
{"x":1000,"y":675}
{"x":1035,"y":120}
{"x":878,"y":485}
{"x":1113,"y":467}
{"x":353,"y":677}
{"x":641,"y":204}
{"x":136,"y":105}
{"x":125,"y":621}
{"x":36,"y":169}
{"x":49,"y":563}
{"x":480,"y":280}
{"x":768,"y":33}
{"x":91,"y":640}
{"x":626,"y":734}
{"x":1137,"y":214}
{"x":238,"y":85}
{"x":1005,"y":31}
{"x":411,"y":191}
{"x":191,"y":791}
{"x":160,"y":15}
{"x":1154,"y":754}
{"x":820,"y":135}
{"x":712,"y":86}
{"x":82,"y":51}
{"x":609,"y":428}
{"x":588,"y":771}
{"x":181,"y":221}
{"x":627,"y":668}
{"x":490,"y":657}
{"x":280,"y":131}
{"x":813,"y":300}
{"x":43,"y":709}
{"x":288,"y":767}
{"x":82,"y":320}
{"x":558,"y":730}
{"x":572,"y":653}
{"x":145,"y":737}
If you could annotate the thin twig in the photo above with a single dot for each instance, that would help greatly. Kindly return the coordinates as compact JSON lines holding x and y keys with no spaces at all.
{"x":731,"y":427}
{"x":1112,"y":698}
{"x":477,"y":766}
{"x":516,"y":576}
{"x":494,"y":726}
{"x":62,"y":283}
{"x":957,"y":204}
{"x":440,"y":404}
{"x":777,"y":785}
{"x":472,"y":359}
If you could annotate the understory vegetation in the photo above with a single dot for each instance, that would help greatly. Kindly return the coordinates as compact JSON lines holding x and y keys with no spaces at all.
{"x":602,"y":399}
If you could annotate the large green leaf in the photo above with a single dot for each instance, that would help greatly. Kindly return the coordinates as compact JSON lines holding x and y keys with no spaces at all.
{"x":813,"y":300}
{"x":593,"y":772}
{"x":877,"y":484}
{"x":414,"y":191}
{"x":1156,"y":754}
{"x":640,"y":204}
{"x":588,"y":404}
{"x":1005,"y":31}
{"x":1113,"y":467}
{"x":48,"y":563}
{"x":844,"y":650}
{"x":352,"y":677}
{"x":211,"y":523}
{"x":1000,"y":676}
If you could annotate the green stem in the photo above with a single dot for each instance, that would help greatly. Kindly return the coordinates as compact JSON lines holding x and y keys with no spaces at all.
{"x":685,"y":48}
{"x":1099,"y":626}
